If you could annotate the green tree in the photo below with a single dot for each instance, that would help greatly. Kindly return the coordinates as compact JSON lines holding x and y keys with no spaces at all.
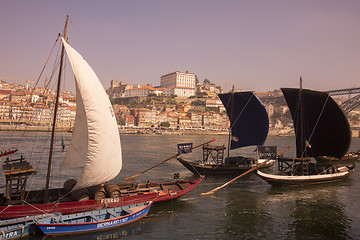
{"x":206,"y":81}
{"x":165,"y":124}
{"x":198,"y":103}
{"x":212,"y":109}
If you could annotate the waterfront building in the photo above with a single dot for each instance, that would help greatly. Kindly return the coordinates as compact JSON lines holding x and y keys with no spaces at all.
{"x":163,"y":117}
{"x":4,"y":110}
{"x":196,"y":119}
{"x":145,"y":117}
{"x":41,"y":114}
{"x":65,"y":116}
{"x":184,"y":122}
{"x":129,"y":120}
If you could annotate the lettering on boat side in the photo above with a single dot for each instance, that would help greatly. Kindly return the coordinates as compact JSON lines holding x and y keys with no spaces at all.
{"x":119,"y":221}
{"x":110,"y":200}
{"x":50,"y":227}
{"x":105,"y":224}
{"x":9,"y":235}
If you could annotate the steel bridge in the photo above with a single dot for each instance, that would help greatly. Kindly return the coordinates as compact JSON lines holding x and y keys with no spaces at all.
{"x":352,"y":102}
{"x":347,"y":106}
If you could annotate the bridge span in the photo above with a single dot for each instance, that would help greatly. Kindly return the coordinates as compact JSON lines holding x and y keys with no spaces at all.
{"x":347,"y":106}
{"x":352,"y":102}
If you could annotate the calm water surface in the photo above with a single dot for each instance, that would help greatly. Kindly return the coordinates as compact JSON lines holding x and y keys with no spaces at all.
{"x":246,"y":209}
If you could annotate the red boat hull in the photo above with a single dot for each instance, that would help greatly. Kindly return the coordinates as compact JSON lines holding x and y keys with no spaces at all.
{"x":165,"y":194}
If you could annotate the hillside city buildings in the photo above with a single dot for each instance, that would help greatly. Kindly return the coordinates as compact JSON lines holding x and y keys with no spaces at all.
{"x":179,"y":102}
{"x":20,"y":105}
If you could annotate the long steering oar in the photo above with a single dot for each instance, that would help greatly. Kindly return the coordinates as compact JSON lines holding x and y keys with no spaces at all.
{"x":248,"y":171}
{"x":173,"y":156}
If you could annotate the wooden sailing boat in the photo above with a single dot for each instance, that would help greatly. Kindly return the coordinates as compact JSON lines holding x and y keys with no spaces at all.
{"x":249,"y":126}
{"x":97,"y":220}
{"x":95,"y":147}
{"x":322,"y":130}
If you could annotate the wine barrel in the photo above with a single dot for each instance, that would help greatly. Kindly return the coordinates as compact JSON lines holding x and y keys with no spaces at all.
{"x":80,"y":194}
{"x":97,"y":192}
{"x":112,"y":190}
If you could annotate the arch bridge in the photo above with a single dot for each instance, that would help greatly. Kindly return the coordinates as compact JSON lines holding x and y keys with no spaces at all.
{"x":347,"y":106}
{"x":352,"y":102}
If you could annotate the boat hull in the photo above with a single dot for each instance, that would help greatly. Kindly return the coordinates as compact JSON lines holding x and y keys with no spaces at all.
{"x":348,"y":158}
{"x":83,"y":223}
{"x":155,"y":192}
{"x":284,"y":180}
{"x":19,"y":227}
{"x":208,"y":169}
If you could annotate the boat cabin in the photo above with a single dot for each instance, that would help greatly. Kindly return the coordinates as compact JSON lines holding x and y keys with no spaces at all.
{"x":17,"y":172}
{"x":213,"y":154}
{"x":303,"y":167}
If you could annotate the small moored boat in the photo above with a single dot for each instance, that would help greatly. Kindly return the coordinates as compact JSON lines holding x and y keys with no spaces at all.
{"x":20,"y":227}
{"x":93,"y":220}
{"x":322,"y":133}
{"x":249,"y":126}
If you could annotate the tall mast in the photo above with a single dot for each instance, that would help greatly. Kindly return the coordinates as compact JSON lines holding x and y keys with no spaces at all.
{"x":302,"y":143}
{"x":46,"y":197}
{"x":301,"y":120}
{"x":231,"y":100}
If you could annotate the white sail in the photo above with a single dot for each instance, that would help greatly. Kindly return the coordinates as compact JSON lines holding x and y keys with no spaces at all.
{"x":95,"y":142}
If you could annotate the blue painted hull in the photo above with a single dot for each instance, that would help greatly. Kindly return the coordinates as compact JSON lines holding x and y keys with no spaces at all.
{"x":19,"y":227}
{"x":87,"y":223}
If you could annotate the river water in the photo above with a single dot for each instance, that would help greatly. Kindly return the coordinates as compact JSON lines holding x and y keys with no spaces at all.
{"x":249,"y":208}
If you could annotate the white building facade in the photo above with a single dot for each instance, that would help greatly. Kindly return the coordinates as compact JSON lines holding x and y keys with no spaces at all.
{"x":178,"y":83}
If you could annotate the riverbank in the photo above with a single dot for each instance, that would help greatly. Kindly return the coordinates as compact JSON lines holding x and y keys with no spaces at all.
{"x":32,"y":128}
{"x":272,"y":132}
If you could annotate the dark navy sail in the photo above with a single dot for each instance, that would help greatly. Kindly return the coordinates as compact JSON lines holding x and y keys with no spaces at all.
{"x":248,"y":118}
{"x":322,"y":129}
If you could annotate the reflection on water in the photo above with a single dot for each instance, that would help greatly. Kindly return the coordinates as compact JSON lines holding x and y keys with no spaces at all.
{"x":287,"y":213}
{"x":249,"y":208}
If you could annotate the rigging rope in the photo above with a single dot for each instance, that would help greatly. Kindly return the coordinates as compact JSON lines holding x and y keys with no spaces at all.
{"x":31,"y":94}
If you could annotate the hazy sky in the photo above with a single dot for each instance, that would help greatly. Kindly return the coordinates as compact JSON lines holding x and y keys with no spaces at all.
{"x":254,"y":45}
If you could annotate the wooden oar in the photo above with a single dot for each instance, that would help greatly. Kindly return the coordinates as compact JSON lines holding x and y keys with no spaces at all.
{"x":248,"y":171}
{"x":173,"y":156}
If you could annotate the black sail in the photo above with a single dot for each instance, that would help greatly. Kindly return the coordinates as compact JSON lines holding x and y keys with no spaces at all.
{"x":322,"y":129}
{"x":248,"y":118}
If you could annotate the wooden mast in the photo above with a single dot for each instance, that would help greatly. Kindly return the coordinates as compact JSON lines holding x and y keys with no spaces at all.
{"x":231,"y":100}
{"x":301,"y":127}
{"x":46,"y":197}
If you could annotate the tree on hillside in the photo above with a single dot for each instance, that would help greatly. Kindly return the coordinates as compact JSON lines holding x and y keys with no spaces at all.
{"x":165,"y":124}
{"x":206,"y":81}
{"x":198,"y":103}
